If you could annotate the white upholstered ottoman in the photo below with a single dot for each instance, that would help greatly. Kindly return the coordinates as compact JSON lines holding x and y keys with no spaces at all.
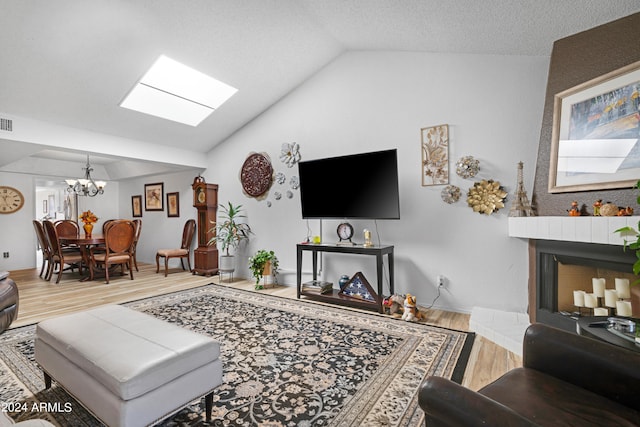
{"x":126,"y":367}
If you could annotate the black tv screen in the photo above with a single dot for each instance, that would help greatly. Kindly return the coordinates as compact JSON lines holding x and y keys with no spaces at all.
{"x":359,"y":186}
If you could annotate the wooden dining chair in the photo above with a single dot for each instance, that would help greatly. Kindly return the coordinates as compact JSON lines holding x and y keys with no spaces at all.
{"x":184,"y":251}
{"x":67,"y":228}
{"x":138,"y":224}
{"x":59,"y":257}
{"x":43,"y":242}
{"x":117,"y":250}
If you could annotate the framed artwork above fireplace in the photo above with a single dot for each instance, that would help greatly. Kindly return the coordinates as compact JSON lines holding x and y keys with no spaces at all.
{"x":595,"y":142}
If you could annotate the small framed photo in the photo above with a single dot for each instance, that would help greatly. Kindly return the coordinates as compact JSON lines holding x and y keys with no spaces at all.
{"x":154,"y":197}
{"x":173,"y":204}
{"x":136,"y":206}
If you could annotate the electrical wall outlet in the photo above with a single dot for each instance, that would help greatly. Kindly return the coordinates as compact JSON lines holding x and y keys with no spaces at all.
{"x":440,"y":280}
{"x":5,"y":254}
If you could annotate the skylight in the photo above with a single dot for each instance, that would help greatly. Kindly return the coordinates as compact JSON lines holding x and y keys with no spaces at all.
{"x":173,"y":91}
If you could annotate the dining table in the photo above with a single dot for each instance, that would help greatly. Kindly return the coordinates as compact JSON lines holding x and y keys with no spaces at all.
{"x":84,"y":242}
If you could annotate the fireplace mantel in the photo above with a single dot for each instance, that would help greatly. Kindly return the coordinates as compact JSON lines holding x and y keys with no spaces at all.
{"x":586,"y":229}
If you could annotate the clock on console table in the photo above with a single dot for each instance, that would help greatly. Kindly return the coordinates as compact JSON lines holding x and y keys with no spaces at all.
{"x":205,"y":200}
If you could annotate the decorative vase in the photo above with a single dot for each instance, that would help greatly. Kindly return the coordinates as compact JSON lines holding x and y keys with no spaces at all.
{"x":267,"y":275}
{"x":88,"y":228}
{"x":344,"y":279}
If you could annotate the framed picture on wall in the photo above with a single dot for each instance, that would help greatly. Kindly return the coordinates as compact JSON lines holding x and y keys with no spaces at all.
{"x":435,"y":155}
{"x":136,"y":206}
{"x":173,"y":204}
{"x":154,"y":197}
{"x":594,"y":141}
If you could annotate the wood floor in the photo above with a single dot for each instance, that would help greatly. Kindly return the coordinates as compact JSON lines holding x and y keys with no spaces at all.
{"x":40,"y":299}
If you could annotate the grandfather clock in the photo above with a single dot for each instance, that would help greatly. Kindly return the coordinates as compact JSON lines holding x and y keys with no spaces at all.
{"x":205,"y":200}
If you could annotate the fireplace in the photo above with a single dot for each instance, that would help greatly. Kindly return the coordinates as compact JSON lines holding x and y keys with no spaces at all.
{"x":562,"y":267}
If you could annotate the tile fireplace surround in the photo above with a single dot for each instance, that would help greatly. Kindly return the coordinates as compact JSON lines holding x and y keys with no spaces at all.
{"x":586,"y":229}
{"x":506,"y":328}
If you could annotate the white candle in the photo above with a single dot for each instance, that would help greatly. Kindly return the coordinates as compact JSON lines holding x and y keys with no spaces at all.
{"x":590,"y":300}
{"x":598,"y":287}
{"x":600,"y":311}
{"x":578,"y":298}
{"x":622,"y":286}
{"x":610,"y":298}
{"x":623,"y":308}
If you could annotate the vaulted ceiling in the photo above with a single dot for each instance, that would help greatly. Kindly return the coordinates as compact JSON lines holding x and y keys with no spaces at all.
{"x":69,"y":63}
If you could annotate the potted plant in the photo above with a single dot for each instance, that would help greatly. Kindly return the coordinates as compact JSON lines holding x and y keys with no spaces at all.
{"x":634,"y":244}
{"x":229,"y":233}
{"x":264,"y":264}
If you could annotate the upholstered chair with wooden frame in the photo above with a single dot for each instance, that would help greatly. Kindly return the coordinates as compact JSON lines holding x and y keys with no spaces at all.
{"x":184,"y":252}
{"x":138,"y":223}
{"x":117,"y":249}
{"x":60,"y":257}
{"x":45,"y":247}
{"x":67,"y":227}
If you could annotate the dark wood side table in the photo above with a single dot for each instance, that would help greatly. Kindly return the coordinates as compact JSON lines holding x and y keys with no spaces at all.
{"x":589,"y":327}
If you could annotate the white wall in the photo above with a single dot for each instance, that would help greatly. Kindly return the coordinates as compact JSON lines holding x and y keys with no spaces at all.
{"x":158,"y":230}
{"x":366,"y":101}
{"x":17,"y":235}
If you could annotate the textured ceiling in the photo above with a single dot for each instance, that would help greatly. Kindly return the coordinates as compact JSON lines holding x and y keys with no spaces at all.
{"x":70,"y":62}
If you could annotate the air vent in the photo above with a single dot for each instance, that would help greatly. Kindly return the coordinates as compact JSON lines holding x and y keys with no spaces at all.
{"x":6,"y":124}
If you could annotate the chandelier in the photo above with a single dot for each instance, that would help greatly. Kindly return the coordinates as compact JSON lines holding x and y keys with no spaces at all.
{"x":86,"y":186}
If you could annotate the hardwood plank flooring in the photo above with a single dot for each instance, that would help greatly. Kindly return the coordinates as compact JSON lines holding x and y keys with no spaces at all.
{"x":40,"y":299}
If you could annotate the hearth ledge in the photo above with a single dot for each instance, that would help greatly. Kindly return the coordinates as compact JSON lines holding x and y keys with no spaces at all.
{"x":504,"y":328}
{"x":586,"y":229}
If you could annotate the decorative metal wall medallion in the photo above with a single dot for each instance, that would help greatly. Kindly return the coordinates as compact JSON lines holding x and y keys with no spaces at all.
{"x":467,"y":167}
{"x":486,"y":197}
{"x":256,"y":174}
{"x":290,"y":154}
{"x":450,"y":194}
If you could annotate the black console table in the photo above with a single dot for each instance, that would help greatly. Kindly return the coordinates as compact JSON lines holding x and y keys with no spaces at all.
{"x":335,"y":297}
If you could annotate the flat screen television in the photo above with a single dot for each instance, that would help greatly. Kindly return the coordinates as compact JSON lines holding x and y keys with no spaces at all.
{"x":358,"y":186}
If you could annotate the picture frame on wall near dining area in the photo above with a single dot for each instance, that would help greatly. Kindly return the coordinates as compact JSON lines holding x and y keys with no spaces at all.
{"x":154,"y":197}
{"x":136,"y":206}
{"x":173,"y":205}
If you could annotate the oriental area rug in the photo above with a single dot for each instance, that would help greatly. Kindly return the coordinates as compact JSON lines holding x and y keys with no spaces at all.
{"x":286,"y":363}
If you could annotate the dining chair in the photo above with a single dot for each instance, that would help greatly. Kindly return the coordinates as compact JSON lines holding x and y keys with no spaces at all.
{"x":117,"y":250}
{"x":59,"y":257}
{"x":44,"y":247}
{"x":183,"y":252}
{"x":138,"y":224}
{"x":67,"y":228}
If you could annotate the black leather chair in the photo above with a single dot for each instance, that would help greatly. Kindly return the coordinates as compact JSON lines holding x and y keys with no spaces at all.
{"x":566,"y":380}
{"x":8,"y":301}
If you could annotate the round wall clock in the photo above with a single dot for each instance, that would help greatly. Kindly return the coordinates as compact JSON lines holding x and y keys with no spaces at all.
{"x":11,"y":200}
{"x":256,"y":174}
